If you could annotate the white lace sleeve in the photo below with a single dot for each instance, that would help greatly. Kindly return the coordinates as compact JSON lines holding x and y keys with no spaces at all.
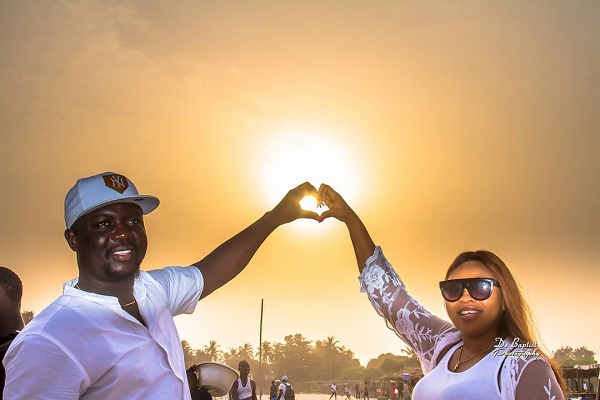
{"x":529,"y":379}
{"x":425,"y":333}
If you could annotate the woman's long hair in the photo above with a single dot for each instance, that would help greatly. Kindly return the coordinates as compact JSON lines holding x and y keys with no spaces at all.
{"x":517,"y":321}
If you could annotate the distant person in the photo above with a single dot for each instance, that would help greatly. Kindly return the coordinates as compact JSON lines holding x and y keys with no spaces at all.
{"x":366,"y":392}
{"x":406,"y":392}
{"x":357,"y":391}
{"x":197,"y":393}
{"x":483,"y":302}
{"x":347,"y":392}
{"x":286,"y":391}
{"x":273,"y":390}
{"x":11,"y":321}
{"x":111,"y":335}
{"x":192,"y":379}
{"x":393,"y":391}
{"x":333,"y":389}
{"x":243,"y":388}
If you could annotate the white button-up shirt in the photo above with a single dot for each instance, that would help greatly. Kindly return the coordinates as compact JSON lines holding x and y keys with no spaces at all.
{"x":84,"y":346}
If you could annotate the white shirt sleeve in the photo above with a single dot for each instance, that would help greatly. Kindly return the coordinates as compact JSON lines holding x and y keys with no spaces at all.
{"x":38,"y":369}
{"x":183,"y":286}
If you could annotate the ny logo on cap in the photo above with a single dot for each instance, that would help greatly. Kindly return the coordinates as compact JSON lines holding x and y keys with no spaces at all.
{"x":116,"y":182}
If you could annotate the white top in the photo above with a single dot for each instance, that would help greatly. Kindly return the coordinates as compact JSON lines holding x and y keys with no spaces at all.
{"x":476,"y":383}
{"x":333,"y":388}
{"x":244,"y":392}
{"x":84,"y":346}
{"x":521,"y":377}
{"x":283,"y":387}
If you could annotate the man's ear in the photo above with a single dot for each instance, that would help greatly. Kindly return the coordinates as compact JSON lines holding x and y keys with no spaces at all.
{"x":71,"y":240}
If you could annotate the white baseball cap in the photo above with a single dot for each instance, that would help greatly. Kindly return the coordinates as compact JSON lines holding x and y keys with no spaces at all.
{"x":96,"y":191}
{"x":284,"y":378}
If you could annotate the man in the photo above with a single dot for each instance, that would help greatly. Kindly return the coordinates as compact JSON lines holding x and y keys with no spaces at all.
{"x":11,"y":322}
{"x":111,"y":335}
{"x":197,"y":392}
{"x":273,"y":390}
{"x":333,"y":391}
{"x":243,"y":388}
{"x":286,"y":391}
{"x":347,"y":392}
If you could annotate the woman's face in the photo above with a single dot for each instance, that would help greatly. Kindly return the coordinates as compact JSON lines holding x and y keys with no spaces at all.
{"x":475,"y":317}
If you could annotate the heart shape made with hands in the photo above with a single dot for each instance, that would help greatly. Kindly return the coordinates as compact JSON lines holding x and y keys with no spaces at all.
{"x":310,"y":203}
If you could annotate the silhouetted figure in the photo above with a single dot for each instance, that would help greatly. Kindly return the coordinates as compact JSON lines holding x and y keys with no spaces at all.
{"x":243,"y":388}
{"x":11,"y":322}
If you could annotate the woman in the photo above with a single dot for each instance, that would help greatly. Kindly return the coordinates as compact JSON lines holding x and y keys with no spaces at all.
{"x":488,"y":352}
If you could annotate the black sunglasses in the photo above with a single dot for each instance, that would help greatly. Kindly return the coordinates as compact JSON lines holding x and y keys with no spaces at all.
{"x":479,"y":288}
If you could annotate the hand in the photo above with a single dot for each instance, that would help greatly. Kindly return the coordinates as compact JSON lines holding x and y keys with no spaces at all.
{"x":289,"y":208}
{"x":338,"y":208}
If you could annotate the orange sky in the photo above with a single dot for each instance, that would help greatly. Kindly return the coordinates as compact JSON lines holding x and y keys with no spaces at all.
{"x":448,"y":126}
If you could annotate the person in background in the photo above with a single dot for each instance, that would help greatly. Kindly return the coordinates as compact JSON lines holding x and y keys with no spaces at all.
{"x":406,"y":392}
{"x":273,"y":391}
{"x":366,"y":392}
{"x":285,"y":387}
{"x":195,"y":391}
{"x":468,"y":358}
{"x":115,"y":317}
{"x":11,"y":322}
{"x":333,"y":389}
{"x":243,"y":388}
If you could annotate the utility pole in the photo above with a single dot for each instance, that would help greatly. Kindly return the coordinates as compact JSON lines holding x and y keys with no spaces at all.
{"x":260,"y":376}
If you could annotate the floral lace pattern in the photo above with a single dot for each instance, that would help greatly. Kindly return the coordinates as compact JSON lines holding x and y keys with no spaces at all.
{"x":428,"y":334}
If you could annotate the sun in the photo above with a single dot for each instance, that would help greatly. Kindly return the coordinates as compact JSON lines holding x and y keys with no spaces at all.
{"x":294,"y":155}
{"x":310,"y":203}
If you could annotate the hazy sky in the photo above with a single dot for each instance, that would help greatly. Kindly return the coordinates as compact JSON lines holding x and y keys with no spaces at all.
{"x":448,"y":126}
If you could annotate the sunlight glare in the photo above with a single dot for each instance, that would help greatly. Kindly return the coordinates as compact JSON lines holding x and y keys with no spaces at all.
{"x":296,"y":155}
{"x":310,"y":203}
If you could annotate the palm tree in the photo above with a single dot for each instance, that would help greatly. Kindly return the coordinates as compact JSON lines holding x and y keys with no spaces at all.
{"x":246,"y":351}
{"x":230,"y":356}
{"x":189,"y":354}
{"x":408,"y":352}
{"x":411,"y":356}
{"x":268,"y":352}
{"x":213,"y":351}
{"x":331,"y":346}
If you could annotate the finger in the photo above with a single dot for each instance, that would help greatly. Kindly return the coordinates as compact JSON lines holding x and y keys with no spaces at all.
{"x":322,"y":193}
{"x":327,"y":194}
{"x":305,"y":189}
{"x":326,"y":214}
{"x":309,"y":215}
{"x":324,"y":189}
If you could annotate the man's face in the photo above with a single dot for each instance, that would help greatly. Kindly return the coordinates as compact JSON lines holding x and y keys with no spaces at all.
{"x":110,"y":242}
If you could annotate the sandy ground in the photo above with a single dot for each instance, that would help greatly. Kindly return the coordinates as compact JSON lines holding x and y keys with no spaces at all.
{"x":314,"y":396}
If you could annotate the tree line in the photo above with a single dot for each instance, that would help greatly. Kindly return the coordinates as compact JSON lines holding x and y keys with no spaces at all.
{"x":326,"y":360}
{"x":301,"y":359}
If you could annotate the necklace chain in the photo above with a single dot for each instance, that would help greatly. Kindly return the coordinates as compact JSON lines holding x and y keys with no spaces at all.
{"x":122,"y":305}
{"x":458,"y":362}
